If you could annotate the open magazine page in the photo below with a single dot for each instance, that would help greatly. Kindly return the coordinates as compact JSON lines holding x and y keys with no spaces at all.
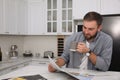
{"x":28,"y":77}
{"x":70,"y":71}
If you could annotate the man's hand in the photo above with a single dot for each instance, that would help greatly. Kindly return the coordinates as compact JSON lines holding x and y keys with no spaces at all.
{"x":59,"y":61}
{"x":82,"y":48}
{"x":50,"y":68}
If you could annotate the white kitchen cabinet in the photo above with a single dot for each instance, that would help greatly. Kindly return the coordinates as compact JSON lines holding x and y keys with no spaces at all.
{"x":10,"y":16}
{"x":1,"y":17}
{"x":37,"y":17}
{"x":13,"y":16}
{"x":22,"y":8}
{"x":59,"y":17}
{"x":81,"y":7}
{"x":105,"y":7}
{"x":52,"y":18}
{"x":110,"y":7}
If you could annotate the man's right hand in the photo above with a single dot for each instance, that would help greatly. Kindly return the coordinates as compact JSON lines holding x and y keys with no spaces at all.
{"x":59,"y":61}
{"x":50,"y":68}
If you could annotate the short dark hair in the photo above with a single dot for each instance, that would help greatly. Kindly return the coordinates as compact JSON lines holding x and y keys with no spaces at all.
{"x":90,"y":16}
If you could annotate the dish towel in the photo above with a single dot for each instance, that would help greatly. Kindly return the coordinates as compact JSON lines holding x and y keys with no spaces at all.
{"x":84,"y":62}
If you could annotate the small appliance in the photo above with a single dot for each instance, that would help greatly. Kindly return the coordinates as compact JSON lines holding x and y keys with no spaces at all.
{"x":50,"y":53}
{"x":13,"y":51}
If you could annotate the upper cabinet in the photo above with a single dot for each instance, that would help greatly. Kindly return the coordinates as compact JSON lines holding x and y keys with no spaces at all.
{"x":22,"y":15}
{"x":59,"y":17}
{"x":81,"y":7}
{"x":49,"y":17}
{"x":37,"y":17}
{"x":110,"y":7}
{"x":1,"y":17}
{"x":67,"y":20}
{"x":105,"y":7}
{"x":12,"y":17}
{"x":52,"y":11}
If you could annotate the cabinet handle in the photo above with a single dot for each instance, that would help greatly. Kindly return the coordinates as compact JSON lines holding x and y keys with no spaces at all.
{"x":6,"y":32}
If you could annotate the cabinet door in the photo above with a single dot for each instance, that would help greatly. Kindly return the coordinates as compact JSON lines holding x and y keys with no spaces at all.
{"x":67,"y":20}
{"x":36,"y":17}
{"x":22,"y":16}
{"x":110,"y":7}
{"x":52,"y":17}
{"x":10,"y":16}
{"x":59,"y":17}
{"x":81,"y":7}
{"x":1,"y":17}
{"x":13,"y":15}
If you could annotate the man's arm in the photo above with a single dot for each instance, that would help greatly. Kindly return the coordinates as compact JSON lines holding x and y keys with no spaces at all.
{"x":92,"y":58}
{"x":83,"y":49}
{"x":101,"y":61}
{"x":60,"y":62}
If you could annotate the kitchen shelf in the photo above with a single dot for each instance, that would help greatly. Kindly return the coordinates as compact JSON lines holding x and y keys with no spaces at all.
{"x":60,"y":44}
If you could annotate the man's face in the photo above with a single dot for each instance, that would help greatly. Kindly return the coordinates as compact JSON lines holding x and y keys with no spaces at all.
{"x":90,"y":29}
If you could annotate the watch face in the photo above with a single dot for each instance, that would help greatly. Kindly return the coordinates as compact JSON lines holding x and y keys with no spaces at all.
{"x":87,"y":54}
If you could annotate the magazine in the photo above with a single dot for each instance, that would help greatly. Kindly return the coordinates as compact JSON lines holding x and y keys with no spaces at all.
{"x":72,"y":72}
{"x":29,"y":77}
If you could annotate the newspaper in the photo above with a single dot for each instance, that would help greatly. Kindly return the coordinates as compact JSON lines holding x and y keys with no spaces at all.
{"x":72,"y":72}
{"x":28,"y":77}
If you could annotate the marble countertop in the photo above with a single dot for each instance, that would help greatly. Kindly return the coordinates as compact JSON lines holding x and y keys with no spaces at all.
{"x":42,"y":69}
{"x":33,"y":70}
{"x":12,"y":62}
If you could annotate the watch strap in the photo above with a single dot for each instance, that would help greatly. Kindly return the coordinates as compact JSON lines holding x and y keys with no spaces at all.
{"x":89,"y":51}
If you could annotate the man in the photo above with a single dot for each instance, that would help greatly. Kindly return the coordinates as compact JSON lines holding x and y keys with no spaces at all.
{"x":100,"y":46}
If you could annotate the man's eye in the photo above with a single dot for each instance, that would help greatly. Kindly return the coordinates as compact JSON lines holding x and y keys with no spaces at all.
{"x":84,"y":27}
{"x":91,"y":29}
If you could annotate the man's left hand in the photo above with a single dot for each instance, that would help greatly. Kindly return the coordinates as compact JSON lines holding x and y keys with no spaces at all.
{"x":82,"y":48}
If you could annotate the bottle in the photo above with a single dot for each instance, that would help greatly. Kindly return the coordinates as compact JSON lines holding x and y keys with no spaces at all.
{"x":0,"y":54}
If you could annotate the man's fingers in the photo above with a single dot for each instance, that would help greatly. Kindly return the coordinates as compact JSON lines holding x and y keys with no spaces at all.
{"x":51,"y":69}
{"x":81,"y":43}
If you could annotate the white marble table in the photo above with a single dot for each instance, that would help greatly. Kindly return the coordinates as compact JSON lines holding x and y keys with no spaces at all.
{"x":9,"y":63}
{"x":12,"y":62}
{"x":32,"y":70}
{"x":42,"y":70}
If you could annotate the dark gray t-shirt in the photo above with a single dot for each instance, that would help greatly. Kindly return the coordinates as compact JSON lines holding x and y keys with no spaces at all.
{"x":101,"y":46}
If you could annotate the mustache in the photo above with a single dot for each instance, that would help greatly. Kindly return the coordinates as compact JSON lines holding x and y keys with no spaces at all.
{"x":91,"y":37}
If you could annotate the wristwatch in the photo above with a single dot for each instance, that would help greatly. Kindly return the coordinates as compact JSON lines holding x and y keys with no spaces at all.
{"x":89,"y":52}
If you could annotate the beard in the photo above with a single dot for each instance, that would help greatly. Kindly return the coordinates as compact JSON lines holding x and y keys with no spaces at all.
{"x":89,"y":37}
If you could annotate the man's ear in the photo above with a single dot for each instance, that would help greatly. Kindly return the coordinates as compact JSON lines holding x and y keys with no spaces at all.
{"x":100,"y":28}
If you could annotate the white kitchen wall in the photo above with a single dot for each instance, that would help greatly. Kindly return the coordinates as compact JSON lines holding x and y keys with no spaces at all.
{"x":7,"y":41}
{"x":36,"y":44}
{"x":39,"y":44}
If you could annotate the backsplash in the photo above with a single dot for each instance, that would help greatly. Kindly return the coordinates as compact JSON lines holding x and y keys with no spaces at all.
{"x":36,"y":44}
{"x":39,"y":44}
{"x":7,"y":41}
